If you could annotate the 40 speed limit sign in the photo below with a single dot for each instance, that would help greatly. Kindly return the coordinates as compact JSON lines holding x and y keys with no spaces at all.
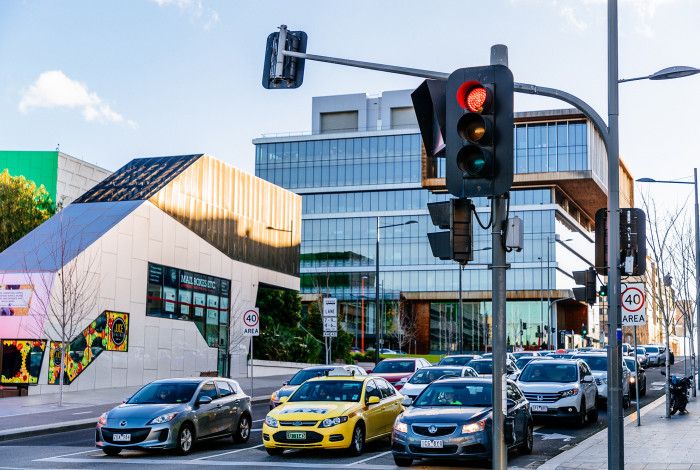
{"x":634,"y":304}
{"x":251,"y":322}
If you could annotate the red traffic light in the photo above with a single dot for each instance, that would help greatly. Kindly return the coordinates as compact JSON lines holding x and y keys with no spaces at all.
{"x":473,"y":97}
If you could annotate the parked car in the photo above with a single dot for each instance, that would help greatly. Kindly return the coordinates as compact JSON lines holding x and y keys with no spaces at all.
{"x":632,"y":366}
{"x":627,"y":349}
{"x":561,"y":388}
{"x":452,"y":418}
{"x":309,"y":373}
{"x":388,"y":351}
{"x":525,"y":360}
{"x":656,"y":358}
{"x":598,"y":362}
{"x":395,"y":369}
{"x":508,"y":355}
{"x":333,"y":413}
{"x":485,"y":367}
{"x":518,"y":355}
{"x":427,"y":375}
{"x":175,"y":414}
{"x":642,"y":356}
{"x":458,"y":359}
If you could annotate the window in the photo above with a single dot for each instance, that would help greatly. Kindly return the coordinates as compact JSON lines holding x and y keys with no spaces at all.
{"x":224,"y":389}
{"x":402,"y":118}
{"x":513,"y":393}
{"x":372,"y":391}
{"x":385,"y":388}
{"x":339,"y":121}
{"x":208,"y":390}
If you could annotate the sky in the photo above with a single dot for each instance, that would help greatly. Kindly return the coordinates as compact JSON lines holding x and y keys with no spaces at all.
{"x":111,"y":80}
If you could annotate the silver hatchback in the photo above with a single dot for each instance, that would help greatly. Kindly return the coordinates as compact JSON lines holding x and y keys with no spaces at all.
{"x":174,"y":414}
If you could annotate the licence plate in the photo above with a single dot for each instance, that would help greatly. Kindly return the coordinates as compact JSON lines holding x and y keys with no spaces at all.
{"x":540,"y":408}
{"x":121,"y":437}
{"x":432,"y":443}
{"x":296,"y":435}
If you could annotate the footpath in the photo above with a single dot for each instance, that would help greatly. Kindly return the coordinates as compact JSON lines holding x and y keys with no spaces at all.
{"x":40,"y":414}
{"x":659,"y":443}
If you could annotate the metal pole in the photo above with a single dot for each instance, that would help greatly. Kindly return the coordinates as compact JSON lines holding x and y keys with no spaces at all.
{"x":549,"y":287}
{"x":616,"y":448}
{"x":636,"y":377}
{"x":461,"y":311}
{"x":252,"y":370}
{"x":697,"y":276}
{"x":363,"y":315}
{"x":539,"y":340}
{"x":376,"y":299}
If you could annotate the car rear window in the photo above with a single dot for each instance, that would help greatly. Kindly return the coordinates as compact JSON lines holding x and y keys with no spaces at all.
{"x":394,"y":367}
{"x":544,"y":372}
{"x":455,"y":361}
{"x":482,"y":367}
{"x":304,"y":375}
{"x":596,"y":363}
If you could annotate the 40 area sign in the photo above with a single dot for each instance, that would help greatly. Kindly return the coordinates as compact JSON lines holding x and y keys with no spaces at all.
{"x":634,"y":305}
{"x":251,"y":322}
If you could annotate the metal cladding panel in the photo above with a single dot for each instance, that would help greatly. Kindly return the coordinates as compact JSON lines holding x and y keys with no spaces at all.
{"x":139,"y":179}
{"x":247,"y":218}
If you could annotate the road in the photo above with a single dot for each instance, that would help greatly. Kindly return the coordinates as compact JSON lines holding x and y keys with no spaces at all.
{"x":75,"y":449}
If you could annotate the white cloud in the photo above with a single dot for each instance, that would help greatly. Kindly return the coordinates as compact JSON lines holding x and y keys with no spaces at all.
{"x":571,"y":19}
{"x":196,"y":8}
{"x":54,"y":89}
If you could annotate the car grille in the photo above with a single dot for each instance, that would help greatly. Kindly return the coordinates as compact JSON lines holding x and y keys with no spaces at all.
{"x":137,"y":435}
{"x":298,"y":423}
{"x":311,"y":438}
{"x":450,"y":449}
{"x":542,"y":397}
{"x":440,"y":430}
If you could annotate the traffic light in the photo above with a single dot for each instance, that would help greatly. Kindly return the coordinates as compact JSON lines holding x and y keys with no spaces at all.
{"x":281,"y":71}
{"x":587,"y":279}
{"x":429,"y":105}
{"x":633,"y":241}
{"x":603,"y":292}
{"x":479,"y":131}
{"x":584,"y":329}
{"x":456,"y":242}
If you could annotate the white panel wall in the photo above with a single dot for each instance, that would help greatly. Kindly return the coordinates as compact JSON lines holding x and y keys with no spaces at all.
{"x":158,"y":347}
{"x":75,"y":177}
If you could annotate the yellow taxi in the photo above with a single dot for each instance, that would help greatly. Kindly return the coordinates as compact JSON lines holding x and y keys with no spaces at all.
{"x":333,"y":413}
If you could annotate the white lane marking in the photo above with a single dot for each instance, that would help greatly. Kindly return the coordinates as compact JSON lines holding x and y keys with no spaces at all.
{"x":227,"y":453}
{"x":65,"y":455}
{"x":82,"y":413}
{"x":259,"y":420}
{"x":222,"y":463}
{"x":368,"y":459}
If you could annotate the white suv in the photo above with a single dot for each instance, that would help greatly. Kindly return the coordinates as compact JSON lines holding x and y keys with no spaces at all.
{"x":560,"y":388}
{"x":598,"y":362}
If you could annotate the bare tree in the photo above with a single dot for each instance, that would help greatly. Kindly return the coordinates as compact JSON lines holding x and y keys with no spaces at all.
{"x":660,"y":225}
{"x":683,"y":269}
{"x":407,"y":329}
{"x":64,"y":275}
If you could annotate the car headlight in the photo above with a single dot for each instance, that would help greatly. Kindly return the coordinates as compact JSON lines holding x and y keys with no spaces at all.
{"x":103,"y":419}
{"x":474,"y":427}
{"x":273,"y":397}
{"x":163,"y":418}
{"x":270,"y":421}
{"x":632,"y":379}
{"x":328,"y":422}
{"x":569,"y":393}
{"x":400,"y":426}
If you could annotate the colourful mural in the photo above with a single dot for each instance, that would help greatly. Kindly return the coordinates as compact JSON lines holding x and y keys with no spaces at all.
{"x":15,"y":299}
{"x":109,"y":332}
{"x":20,"y":361}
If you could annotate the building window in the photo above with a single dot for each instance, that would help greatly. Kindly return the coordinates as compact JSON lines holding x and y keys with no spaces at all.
{"x":402,"y":118}
{"x":345,"y":121}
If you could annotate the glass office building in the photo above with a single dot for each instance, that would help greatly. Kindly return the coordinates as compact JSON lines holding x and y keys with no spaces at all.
{"x":370,"y":174}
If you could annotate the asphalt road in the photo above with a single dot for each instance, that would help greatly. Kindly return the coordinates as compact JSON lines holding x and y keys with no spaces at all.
{"x":75,"y":449}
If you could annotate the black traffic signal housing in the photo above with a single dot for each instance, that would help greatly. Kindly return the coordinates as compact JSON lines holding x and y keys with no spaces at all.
{"x":587,"y":279}
{"x":479,"y":131}
{"x":429,"y":106}
{"x":584,"y":329}
{"x":292,"y":73}
{"x":455,"y":243}
{"x":633,"y":241}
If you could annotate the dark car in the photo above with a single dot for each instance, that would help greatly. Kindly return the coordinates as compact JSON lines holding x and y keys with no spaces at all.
{"x":452,"y":418}
{"x":632,"y":366}
{"x":174,"y":414}
{"x":458,"y":360}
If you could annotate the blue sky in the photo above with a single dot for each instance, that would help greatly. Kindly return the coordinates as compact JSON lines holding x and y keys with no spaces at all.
{"x":113,"y":80}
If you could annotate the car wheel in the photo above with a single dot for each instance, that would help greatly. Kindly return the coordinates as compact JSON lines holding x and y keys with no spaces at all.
{"x":528,"y":440}
{"x":242,"y":433}
{"x":111,"y":451}
{"x":185,"y":439}
{"x":582,"y":417}
{"x":357,"y":443}
{"x":626,"y":401}
{"x":274,"y":451}
{"x":402,"y":461}
{"x":593,"y":414}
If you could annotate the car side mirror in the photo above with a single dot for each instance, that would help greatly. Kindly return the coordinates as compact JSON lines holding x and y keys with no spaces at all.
{"x":284,"y":384}
{"x":587,"y":379}
{"x":204,"y":400}
{"x":407,"y":401}
{"x":373,"y":400}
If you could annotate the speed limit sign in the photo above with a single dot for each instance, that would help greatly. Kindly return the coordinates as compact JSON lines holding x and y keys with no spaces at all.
{"x":251,"y":322}
{"x":634,"y":304}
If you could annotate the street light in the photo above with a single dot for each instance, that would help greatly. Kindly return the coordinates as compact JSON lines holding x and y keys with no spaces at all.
{"x":678,"y":71}
{"x":291,"y":238}
{"x":697,"y":242}
{"x":376,"y":286}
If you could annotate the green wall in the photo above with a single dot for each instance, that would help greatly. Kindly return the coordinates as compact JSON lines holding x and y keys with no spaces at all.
{"x":40,"y":167}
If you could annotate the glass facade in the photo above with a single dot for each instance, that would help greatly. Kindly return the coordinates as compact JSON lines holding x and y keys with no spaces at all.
{"x":339,"y":226}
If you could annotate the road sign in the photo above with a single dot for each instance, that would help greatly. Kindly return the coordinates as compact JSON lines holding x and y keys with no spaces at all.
{"x":633,"y":304}
{"x":330,"y":317}
{"x":251,"y":322}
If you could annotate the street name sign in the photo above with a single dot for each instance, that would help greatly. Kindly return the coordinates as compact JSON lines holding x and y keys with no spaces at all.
{"x":251,"y":322}
{"x":633,"y":304}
